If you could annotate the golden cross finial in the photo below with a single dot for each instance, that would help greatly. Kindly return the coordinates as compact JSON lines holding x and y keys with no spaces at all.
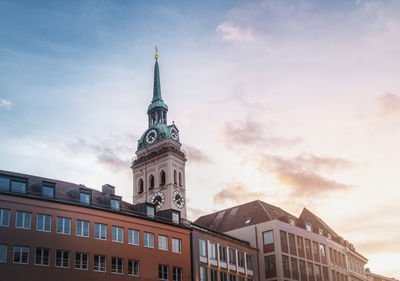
{"x":156,"y":49}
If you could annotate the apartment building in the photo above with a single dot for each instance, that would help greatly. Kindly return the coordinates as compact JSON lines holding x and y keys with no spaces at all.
{"x":54,"y":230}
{"x":376,"y":277}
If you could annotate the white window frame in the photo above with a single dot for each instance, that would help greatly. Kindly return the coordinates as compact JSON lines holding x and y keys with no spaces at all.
{"x":64,"y":220}
{"x":118,"y":230}
{"x":163,"y":242}
{"x":133,"y":263}
{"x":43,"y":218}
{"x":177,"y":245}
{"x":118,"y":202}
{"x":308,"y":227}
{"x":118,"y":271}
{"x":3,"y":215}
{"x":82,"y":201}
{"x":62,"y":259}
{"x":41,"y":257}
{"x":20,"y":250}
{"x":213,"y":253}
{"x":177,"y":273}
{"x":2,"y":248}
{"x":203,"y":247}
{"x":81,"y":255}
{"x":146,"y":240}
{"x":164,"y":269}
{"x":132,"y":233}
{"x":100,"y":227}
{"x":24,"y":218}
{"x":99,"y":262}
{"x":80,"y":228}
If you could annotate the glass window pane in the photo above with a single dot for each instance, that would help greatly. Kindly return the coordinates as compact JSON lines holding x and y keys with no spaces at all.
{"x":18,"y":186}
{"x":4,"y":183}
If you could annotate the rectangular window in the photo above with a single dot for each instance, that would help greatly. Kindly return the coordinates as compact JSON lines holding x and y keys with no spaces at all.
{"x":82,"y":228}
{"x":317,"y":271}
{"x":81,"y":261}
{"x":21,"y":255}
{"x":177,"y":245}
{"x":203,"y":273}
{"x":286,"y":266}
{"x":308,"y":246}
{"x":62,"y":258}
{"x":223,"y":276}
{"x":240,"y":259}
{"x":115,"y":204}
{"x":133,"y":237}
{"x":4,"y":183}
{"x":249,"y":262}
{"x":268,"y":237}
{"x":300,"y":243}
{"x":133,"y":267}
{"x":48,"y":191}
{"x":100,"y":231}
{"x":270,"y":266}
{"x":116,"y":265}
{"x":292,"y":242}
{"x":302,"y":268}
{"x":203,"y":248}
{"x":232,"y":277}
{"x":322,"y":250}
{"x":148,"y":240}
{"x":63,"y":225}
{"x":283,"y":238}
{"x":117,"y":234}
{"x":84,"y":198}
{"x":3,"y":253}
{"x":222,"y":253}
{"x":213,"y":250}
{"x":213,"y":275}
{"x":150,"y":211}
{"x":315,"y":248}
{"x":310,"y":269}
{"x":163,"y":272}
{"x":99,"y":263}
{"x":176,"y":274}
{"x":43,"y":223}
{"x":175,"y":217}
{"x":325,"y":273}
{"x":232,"y":256}
{"x":163,"y":242}
{"x":4,"y":217}
{"x":18,"y":186}
{"x":23,"y":220}
{"x":295,"y":269}
{"x":42,"y":256}
{"x":308,"y":227}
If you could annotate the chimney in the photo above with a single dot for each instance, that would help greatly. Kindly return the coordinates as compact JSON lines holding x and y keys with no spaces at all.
{"x":108,"y":189}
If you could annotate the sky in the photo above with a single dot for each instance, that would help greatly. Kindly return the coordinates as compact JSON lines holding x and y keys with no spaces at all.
{"x":296,"y":103}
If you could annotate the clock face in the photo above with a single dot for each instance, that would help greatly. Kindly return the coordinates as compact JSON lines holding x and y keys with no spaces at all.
{"x":151,"y":136}
{"x":174,"y":133}
{"x":178,"y":198}
{"x":158,"y":199}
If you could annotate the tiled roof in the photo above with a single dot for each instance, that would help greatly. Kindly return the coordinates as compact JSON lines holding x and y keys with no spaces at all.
{"x":317,"y":223}
{"x":243,"y":215}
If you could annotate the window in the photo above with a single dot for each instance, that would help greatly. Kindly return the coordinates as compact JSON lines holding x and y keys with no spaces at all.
{"x":222,"y":253}
{"x":23,"y":220}
{"x":42,"y":256}
{"x":3,"y":253}
{"x":270,"y":266}
{"x":133,"y":267}
{"x":300,"y":243}
{"x":180,"y":179}
{"x":62,"y":259}
{"x":115,"y":204}
{"x":294,"y":266}
{"x":81,"y":261}
{"x":203,"y":273}
{"x":308,"y":227}
{"x":18,"y":186}
{"x":140,"y":186}
{"x":150,"y":211}
{"x":292,"y":222}
{"x":249,"y":262}
{"x":213,"y":275}
{"x":4,"y":183}
{"x":203,"y":248}
{"x":315,"y":248}
{"x":283,"y":238}
{"x":148,"y":240}
{"x":48,"y":191}
{"x":286,"y":266}
{"x":151,"y":181}
{"x":21,"y":255}
{"x":308,"y":246}
{"x":176,"y":245}
{"x":175,"y":217}
{"x":116,"y":265}
{"x":100,"y":231}
{"x":322,"y":250}
{"x":175,"y":177}
{"x":303,"y":268}
{"x":223,"y":276}
{"x":241,"y":278}
{"x":310,"y":269}
{"x":232,"y":277}
{"x":213,"y":251}
{"x":82,"y":228}
{"x":99,"y":263}
{"x":320,"y":231}
{"x":117,"y":234}
{"x":84,"y":198}
{"x":317,"y":271}
{"x":176,"y":274}
{"x":240,"y":259}
{"x":162,"y":177}
{"x":63,"y":225}
{"x":268,"y":237}
{"x":43,"y":223}
{"x":4,"y":217}
{"x":163,"y":242}
{"x":292,"y":242}
{"x":232,"y":256}
{"x":163,"y":272}
{"x":325,"y":273}
{"x":133,"y":237}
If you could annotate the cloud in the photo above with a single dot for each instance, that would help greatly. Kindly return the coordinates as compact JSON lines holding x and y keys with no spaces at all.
{"x":251,"y":133}
{"x":6,"y":103}
{"x":195,"y":155}
{"x":109,"y":159}
{"x":234,"y":194}
{"x":390,"y":105}
{"x":230,"y":32}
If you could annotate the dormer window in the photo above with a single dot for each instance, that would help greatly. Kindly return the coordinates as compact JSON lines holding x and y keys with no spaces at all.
{"x":292,"y":222}
{"x":115,"y":204}
{"x":308,"y":227}
{"x":4,"y":183}
{"x":320,"y":231}
{"x":150,"y":211}
{"x":175,"y":217}
{"x":329,"y":236}
{"x":18,"y":186}
{"x":84,"y":197}
{"x":48,"y":190}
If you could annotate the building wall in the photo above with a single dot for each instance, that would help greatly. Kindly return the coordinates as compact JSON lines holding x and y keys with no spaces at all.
{"x":149,"y":258}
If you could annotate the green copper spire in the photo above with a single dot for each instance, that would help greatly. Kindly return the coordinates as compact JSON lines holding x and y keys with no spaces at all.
{"x":157,"y":85}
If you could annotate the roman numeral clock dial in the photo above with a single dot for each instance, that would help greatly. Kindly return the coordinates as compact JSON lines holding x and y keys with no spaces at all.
{"x":151,"y":136}
{"x":158,"y":199}
{"x":178,"y":199}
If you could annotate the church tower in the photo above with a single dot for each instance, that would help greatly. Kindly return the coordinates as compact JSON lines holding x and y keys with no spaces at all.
{"x":159,"y":168}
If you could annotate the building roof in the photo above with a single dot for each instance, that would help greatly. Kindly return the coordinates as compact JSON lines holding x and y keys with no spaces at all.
{"x":250,"y":213}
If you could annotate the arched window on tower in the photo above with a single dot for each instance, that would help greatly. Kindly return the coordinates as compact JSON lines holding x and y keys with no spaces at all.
{"x":164,"y":117}
{"x":180,"y":179}
{"x":153,"y":118}
{"x":140,"y":186}
{"x":159,"y":116}
{"x":162,"y":177}
{"x":175,"y":180}
{"x":151,"y":181}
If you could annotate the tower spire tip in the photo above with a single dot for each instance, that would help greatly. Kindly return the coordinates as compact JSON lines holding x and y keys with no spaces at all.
{"x":156,"y":49}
